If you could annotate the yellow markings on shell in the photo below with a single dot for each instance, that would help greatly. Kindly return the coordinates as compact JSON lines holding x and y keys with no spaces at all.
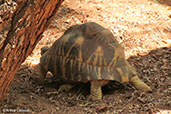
{"x":100,"y":61}
{"x":88,"y":61}
{"x":83,"y":65}
{"x":79,"y":41}
{"x":80,"y":58}
{"x":95,"y":60}
{"x":71,"y":67}
{"x":88,"y":77}
{"x":79,"y":66}
{"x":111,"y":77}
{"x":67,"y":55}
{"x":98,"y":52}
{"x":95,"y":70}
{"x":114,"y":56}
{"x":63,"y":65}
{"x":105,"y":63}
{"x":65,"y":39}
{"x":88,"y":68}
{"x":113,"y":60}
{"x":108,"y":69}
{"x":71,"y":63}
{"x":124,"y":78}
{"x":99,"y":73}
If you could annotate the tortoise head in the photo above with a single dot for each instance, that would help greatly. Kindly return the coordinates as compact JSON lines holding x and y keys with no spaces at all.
{"x":44,"y":49}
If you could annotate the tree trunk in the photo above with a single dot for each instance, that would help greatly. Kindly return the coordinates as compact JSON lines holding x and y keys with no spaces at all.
{"x":22,"y":23}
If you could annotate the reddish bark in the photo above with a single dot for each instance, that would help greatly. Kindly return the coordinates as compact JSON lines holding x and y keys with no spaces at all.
{"x":22,"y":23}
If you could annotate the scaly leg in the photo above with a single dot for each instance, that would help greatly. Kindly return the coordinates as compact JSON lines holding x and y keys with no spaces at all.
{"x":95,"y":90}
{"x":139,"y":84}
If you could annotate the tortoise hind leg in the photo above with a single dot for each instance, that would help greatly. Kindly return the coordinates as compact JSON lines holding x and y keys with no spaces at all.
{"x":65,"y":87}
{"x":139,"y":84}
{"x":39,"y":74}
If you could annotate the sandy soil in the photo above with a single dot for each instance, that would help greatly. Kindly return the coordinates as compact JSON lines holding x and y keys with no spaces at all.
{"x":142,"y":27}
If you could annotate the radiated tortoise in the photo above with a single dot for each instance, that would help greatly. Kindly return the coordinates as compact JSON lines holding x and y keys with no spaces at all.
{"x":87,"y":53}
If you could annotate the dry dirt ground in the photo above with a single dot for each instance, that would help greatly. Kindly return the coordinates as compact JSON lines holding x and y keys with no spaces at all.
{"x":143,"y":27}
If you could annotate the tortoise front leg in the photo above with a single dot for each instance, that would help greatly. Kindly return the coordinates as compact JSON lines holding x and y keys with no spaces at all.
{"x":95,"y":90}
{"x":39,"y":74}
{"x":139,"y":84}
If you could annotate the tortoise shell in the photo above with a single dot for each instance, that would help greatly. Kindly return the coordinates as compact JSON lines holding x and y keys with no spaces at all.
{"x":87,"y":52}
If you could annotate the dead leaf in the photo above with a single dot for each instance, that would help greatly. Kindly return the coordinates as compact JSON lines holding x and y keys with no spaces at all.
{"x":103,"y":108}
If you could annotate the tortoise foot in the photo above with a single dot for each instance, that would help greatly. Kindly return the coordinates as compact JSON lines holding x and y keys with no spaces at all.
{"x":140,"y":85}
{"x":95,"y":97}
{"x":65,"y":87}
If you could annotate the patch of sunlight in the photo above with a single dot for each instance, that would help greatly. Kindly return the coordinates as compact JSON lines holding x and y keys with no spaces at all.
{"x":163,"y":112}
{"x":32,"y":61}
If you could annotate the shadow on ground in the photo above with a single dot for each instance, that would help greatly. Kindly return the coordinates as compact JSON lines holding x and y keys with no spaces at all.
{"x":164,"y":2}
{"x":153,"y":69}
